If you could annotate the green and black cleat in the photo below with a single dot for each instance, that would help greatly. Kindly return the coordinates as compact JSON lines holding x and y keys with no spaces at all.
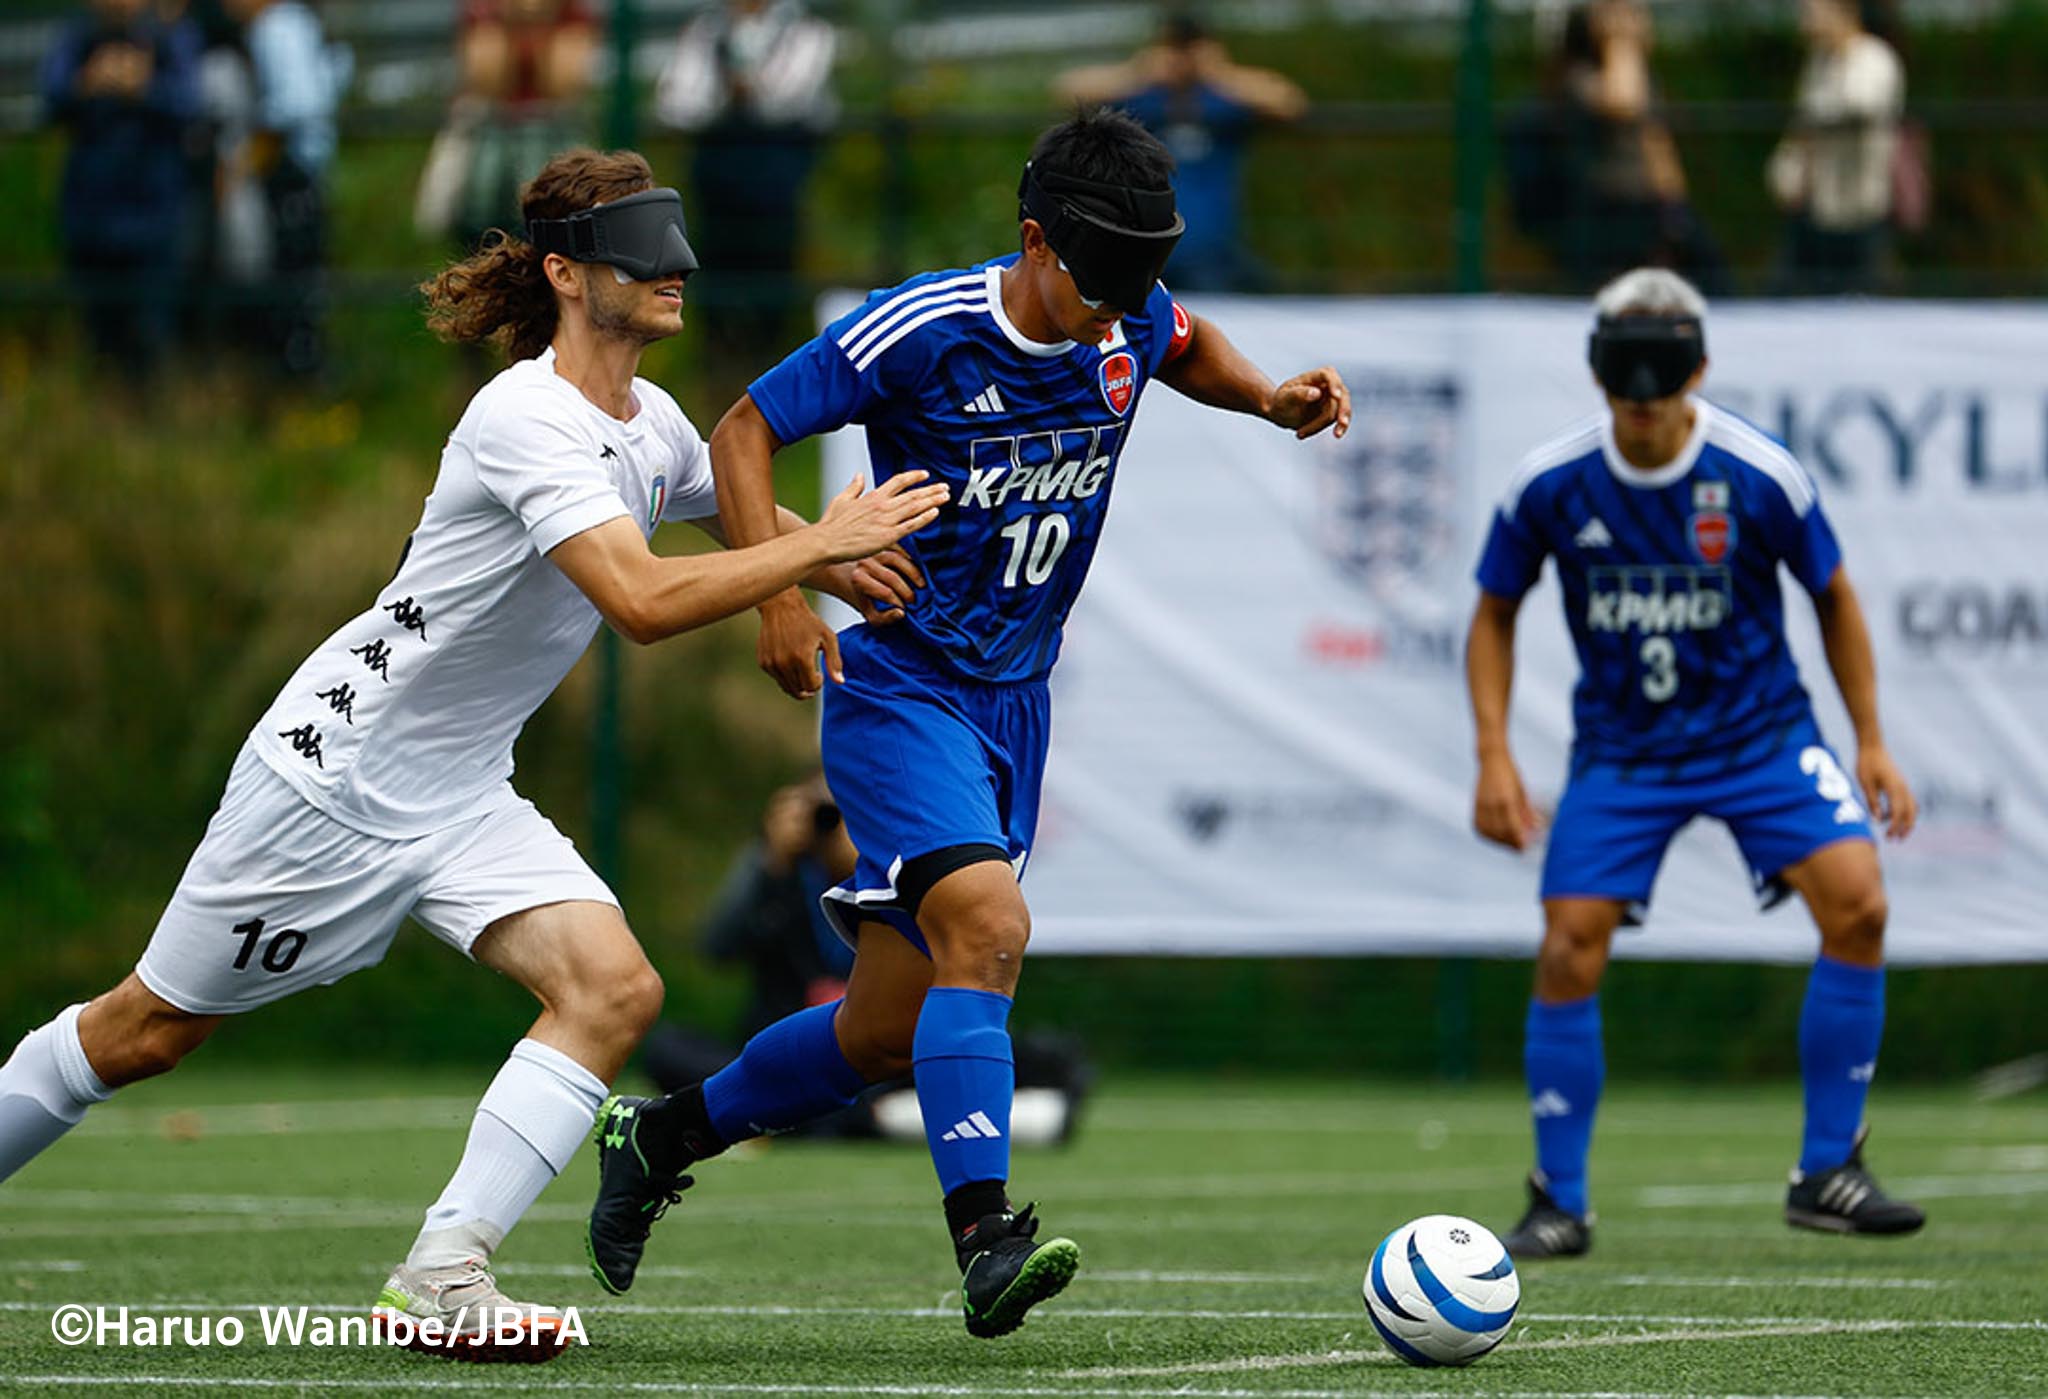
{"x":630,"y":1195}
{"x":1004,"y":1273}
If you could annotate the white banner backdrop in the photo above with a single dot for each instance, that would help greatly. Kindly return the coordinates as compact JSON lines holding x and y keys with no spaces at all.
{"x":1261,"y":742}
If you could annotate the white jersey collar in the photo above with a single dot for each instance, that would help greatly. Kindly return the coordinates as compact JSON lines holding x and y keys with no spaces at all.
{"x":993,"y":280}
{"x":1673,"y":470}
{"x":546,"y":360}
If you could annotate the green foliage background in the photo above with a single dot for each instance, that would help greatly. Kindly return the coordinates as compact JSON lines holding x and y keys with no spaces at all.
{"x":170,"y":555}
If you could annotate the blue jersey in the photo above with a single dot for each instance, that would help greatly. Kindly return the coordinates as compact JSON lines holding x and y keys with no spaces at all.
{"x":1027,"y":435}
{"x":1670,"y":581}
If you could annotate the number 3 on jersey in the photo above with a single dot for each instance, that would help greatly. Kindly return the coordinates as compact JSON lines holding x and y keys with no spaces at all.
{"x":1036,"y":543}
{"x":1660,"y":668}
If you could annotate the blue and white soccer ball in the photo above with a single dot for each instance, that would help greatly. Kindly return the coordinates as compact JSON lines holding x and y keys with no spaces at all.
{"x":1441,"y":1291}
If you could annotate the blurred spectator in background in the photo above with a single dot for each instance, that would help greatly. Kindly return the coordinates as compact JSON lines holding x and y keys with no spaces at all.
{"x":278,"y":156}
{"x":1834,"y":172}
{"x":1203,"y":107}
{"x":523,"y":68}
{"x":753,"y":80}
{"x":766,"y":916}
{"x":124,"y":85}
{"x":1622,"y":200}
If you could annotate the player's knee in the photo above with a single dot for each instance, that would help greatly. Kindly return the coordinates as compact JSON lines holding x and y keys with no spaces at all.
{"x":1855,"y":930}
{"x":620,"y":1002}
{"x":159,"y":1045}
{"x":986,"y":945}
{"x":637,"y":1000}
{"x":878,"y":1053}
{"x":1570,"y":964}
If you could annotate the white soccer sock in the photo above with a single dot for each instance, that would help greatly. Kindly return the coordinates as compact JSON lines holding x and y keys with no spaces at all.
{"x":45,"y":1087}
{"x":532,"y":1119}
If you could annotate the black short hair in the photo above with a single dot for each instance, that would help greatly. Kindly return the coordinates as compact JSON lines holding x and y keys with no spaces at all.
{"x":1105,"y":145}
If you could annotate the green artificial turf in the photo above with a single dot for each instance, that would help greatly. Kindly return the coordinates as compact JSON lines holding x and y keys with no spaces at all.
{"x":1224,"y":1226}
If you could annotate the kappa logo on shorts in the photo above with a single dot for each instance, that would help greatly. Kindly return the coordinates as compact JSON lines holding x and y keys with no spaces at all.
{"x":1119,"y":381}
{"x":1713,"y":535}
{"x":657,"y":497}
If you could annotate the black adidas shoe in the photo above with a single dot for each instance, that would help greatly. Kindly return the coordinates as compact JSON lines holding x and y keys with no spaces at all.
{"x":1547,"y":1230}
{"x":1848,"y":1200}
{"x":630,"y":1195}
{"x":1004,"y":1274}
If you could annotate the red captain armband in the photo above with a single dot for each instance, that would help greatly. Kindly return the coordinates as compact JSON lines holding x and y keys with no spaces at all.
{"x":1183,"y":334}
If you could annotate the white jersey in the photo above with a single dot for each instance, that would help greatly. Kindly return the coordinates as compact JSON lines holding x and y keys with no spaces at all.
{"x":403,"y":721}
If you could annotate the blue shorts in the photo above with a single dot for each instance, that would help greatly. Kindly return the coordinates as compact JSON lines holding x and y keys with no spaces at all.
{"x":1616,"y":819}
{"x":920,"y":759}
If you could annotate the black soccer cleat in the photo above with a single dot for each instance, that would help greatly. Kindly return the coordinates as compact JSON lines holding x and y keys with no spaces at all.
{"x":1004,"y":1274}
{"x":1548,"y":1230}
{"x":1848,"y":1200}
{"x":630,"y":1195}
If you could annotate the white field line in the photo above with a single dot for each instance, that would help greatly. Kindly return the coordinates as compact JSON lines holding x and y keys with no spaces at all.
{"x":505,"y":1384}
{"x":1146,"y":1275}
{"x":342,"y":1115}
{"x":1919,"y":1188}
{"x":1249,"y":1363}
{"x":1831,"y":1284}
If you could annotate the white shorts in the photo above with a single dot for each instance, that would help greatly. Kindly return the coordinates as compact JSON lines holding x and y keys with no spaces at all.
{"x":280,"y":896}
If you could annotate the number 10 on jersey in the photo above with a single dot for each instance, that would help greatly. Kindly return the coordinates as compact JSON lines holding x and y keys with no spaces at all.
{"x":1036,"y":543}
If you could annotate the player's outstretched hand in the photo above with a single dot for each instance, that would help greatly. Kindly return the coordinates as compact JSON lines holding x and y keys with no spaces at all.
{"x":1885,"y":793}
{"x":1500,"y":807}
{"x":860,"y":522}
{"x":1310,"y":402}
{"x":880,"y":586}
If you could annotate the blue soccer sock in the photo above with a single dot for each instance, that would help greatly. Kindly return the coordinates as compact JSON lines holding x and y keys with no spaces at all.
{"x":1839,"y":1030}
{"x":965,"y":1080}
{"x":788,"y":1074}
{"x":1566,"y":1065}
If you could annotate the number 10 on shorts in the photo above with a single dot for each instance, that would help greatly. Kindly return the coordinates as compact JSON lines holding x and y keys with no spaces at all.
{"x":279,"y":954}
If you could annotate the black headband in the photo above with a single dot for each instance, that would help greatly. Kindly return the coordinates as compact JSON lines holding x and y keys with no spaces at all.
{"x":1114,"y":239}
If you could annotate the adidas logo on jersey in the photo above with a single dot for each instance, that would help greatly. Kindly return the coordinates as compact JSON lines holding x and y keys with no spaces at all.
{"x":987,"y":401}
{"x":1593,"y":535}
{"x":972,"y":1127}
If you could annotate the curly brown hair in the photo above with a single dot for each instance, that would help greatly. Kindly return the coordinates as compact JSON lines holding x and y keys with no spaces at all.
{"x":499,"y":293}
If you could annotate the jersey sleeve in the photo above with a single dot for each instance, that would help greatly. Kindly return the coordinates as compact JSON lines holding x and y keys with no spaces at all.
{"x":1798,"y":530}
{"x":837,"y":378}
{"x":1173,"y":328}
{"x":692,"y":494}
{"x":1514,"y":553}
{"x":544,"y":473}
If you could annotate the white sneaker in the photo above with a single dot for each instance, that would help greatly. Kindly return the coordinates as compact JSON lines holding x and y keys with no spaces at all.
{"x":457,"y":1312}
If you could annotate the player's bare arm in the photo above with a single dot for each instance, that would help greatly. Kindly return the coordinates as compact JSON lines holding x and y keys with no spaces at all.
{"x":1213,"y":372}
{"x":1500,"y":806}
{"x":1846,"y":635}
{"x":879,"y":587}
{"x":743,"y":448}
{"x":647,"y":597}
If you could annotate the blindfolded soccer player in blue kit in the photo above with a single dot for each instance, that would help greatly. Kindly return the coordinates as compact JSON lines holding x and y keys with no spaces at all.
{"x":1014,"y":383}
